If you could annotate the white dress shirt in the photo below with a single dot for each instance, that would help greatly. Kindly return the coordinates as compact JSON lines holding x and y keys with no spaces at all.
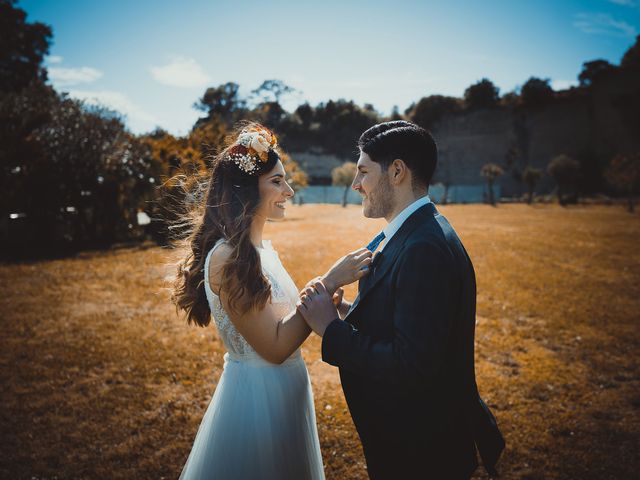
{"x":394,"y":225}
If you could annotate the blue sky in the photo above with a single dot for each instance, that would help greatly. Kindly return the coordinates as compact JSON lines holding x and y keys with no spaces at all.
{"x":152,"y":60}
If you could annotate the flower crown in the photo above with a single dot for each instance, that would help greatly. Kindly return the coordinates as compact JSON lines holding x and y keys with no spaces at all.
{"x":251,"y":147}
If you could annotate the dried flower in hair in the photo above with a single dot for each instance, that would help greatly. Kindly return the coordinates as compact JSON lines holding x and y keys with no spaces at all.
{"x":252,"y":146}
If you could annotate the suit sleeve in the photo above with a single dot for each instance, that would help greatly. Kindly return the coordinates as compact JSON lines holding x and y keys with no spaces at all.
{"x":421,"y":321}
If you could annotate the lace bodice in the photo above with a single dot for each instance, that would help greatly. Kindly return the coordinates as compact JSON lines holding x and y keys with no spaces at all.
{"x":284,"y":295}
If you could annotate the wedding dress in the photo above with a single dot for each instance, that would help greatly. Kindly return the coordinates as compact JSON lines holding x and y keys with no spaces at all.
{"x":261,"y":421}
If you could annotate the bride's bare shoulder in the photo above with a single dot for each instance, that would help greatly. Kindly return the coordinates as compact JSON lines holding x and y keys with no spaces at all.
{"x":219,"y":258}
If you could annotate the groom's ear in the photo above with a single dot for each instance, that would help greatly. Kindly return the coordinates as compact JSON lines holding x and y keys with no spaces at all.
{"x":398,"y":171}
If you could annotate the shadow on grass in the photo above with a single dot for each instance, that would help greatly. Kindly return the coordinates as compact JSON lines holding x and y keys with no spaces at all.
{"x":28,"y":253}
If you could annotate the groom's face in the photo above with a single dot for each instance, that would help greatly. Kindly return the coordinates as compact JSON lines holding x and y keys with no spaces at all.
{"x":372,"y":183}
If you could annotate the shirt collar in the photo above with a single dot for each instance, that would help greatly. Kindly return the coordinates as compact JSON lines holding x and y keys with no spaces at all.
{"x":394,"y":225}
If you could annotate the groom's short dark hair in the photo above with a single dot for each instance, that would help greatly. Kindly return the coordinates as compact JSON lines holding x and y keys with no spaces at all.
{"x":407,"y":141}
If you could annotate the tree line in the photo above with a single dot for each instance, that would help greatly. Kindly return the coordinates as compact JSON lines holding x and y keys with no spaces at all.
{"x":74,"y":176}
{"x":69,"y":172}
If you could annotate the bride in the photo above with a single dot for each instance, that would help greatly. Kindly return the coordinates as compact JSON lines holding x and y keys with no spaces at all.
{"x":260,"y":423}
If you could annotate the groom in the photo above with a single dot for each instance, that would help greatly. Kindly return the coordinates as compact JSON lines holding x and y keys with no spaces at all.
{"x":405,"y":347}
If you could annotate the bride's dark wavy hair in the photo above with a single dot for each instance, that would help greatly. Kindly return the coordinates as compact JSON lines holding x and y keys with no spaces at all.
{"x":231,"y":198}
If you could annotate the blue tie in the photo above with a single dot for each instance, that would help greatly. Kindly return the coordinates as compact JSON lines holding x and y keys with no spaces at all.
{"x":375,"y":242}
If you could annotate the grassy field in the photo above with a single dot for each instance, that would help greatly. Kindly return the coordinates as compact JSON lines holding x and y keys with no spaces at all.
{"x":100,"y":379}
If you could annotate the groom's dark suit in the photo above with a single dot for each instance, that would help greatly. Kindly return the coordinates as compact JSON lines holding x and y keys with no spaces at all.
{"x":406,"y":358}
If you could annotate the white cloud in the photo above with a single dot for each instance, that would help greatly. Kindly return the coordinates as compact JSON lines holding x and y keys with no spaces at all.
{"x":563,"y":84}
{"x":63,"y":77}
{"x":138,"y":120}
{"x":624,"y":3}
{"x":603,"y":24}
{"x":181,"y":72}
{"x":54,"y":59}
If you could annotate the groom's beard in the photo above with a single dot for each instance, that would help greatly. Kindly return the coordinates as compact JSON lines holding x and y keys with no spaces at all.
{"x":380,"y":199}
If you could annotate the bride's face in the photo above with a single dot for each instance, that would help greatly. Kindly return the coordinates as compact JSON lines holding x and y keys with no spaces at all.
{"x":274,"y":192}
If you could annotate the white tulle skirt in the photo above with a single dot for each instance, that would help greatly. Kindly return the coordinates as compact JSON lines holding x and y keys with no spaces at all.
{"x":260,"y":424}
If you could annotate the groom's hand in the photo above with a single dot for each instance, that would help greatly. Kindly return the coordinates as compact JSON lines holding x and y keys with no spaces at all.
{"x":338,"y":297}
{"x":317,"y":307}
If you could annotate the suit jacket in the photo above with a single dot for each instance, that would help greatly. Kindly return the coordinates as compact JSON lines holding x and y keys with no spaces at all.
{"x":406,"y":357}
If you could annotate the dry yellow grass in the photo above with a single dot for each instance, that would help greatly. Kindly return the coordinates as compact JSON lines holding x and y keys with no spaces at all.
{"x":100,"y":379}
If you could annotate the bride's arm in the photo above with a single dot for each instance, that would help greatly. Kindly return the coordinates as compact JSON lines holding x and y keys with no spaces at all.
{"x":272,"y":337}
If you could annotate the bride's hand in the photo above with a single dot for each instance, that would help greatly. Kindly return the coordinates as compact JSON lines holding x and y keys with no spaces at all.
{"x":310,"y":283}
{"x":353,"y":266}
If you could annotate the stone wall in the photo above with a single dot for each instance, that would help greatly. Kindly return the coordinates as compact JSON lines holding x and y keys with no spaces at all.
{"x":318,"y":165}
{"x":591,"y":125}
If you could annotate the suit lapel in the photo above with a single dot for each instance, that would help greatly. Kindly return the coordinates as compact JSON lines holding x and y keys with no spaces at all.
{"x":385,"y":259}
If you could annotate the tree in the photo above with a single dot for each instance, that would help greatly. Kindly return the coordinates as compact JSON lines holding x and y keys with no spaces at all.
{"x":22,"y":48}
{"x":21,"y":114}
{"x":177,"y":160}
{"x":74,"y":170}
{"x":25,"y":100}
{"x":536,"y":91}
{"x":272,"y":91}
{"x":297,"y":176}
{"x":305,"y":114}
{"x":490,"y":172}
{"x":223,"y":102}
{"x":591,"y":70}
{"x":624,"y":174}
{"x":531,"y":177}
{"x":511,"y":157}
{"x":483,"y":94}
{"x":631,"y":58}
{"x":564,"y":171}
{"x":208,"y":137}
{"x":395,"y":114}
{"x":93,"y":168}
{"x":343,"y":176}
{"x":429,"y":110}
{"x":510,"y":99}
{"x":333,"y":126}
{"x":269,"y":114}
{"x":339,"y":124}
